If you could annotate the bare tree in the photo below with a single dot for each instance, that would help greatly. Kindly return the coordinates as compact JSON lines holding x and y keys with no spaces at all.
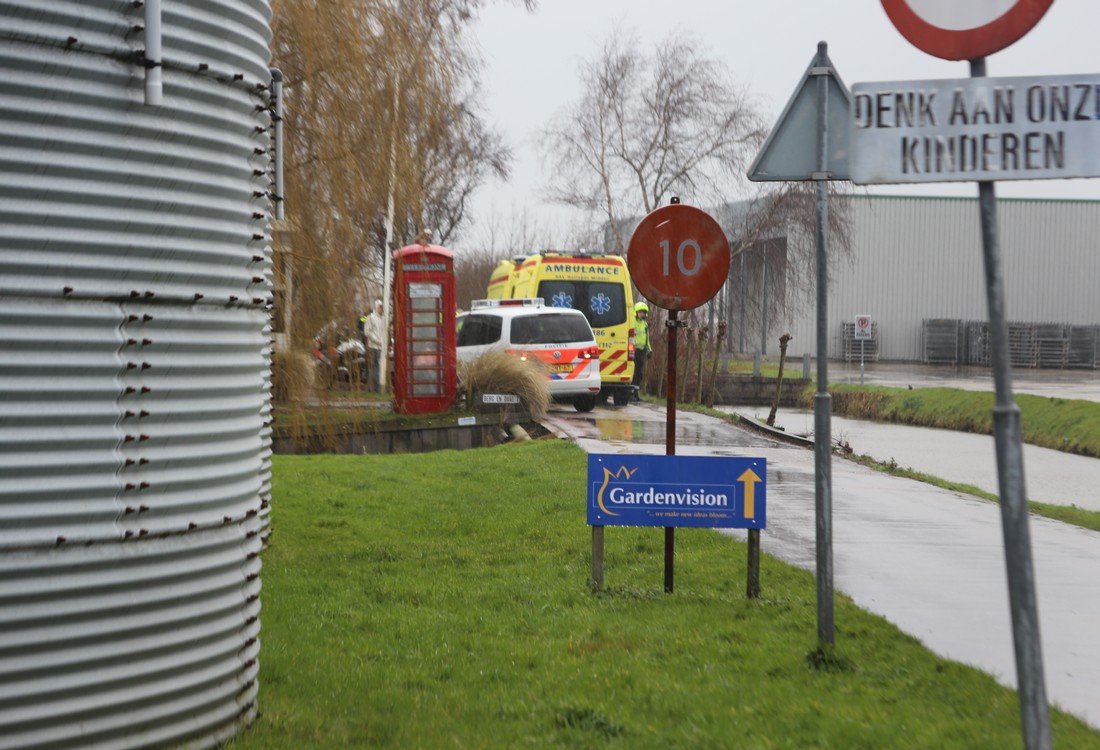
{"x":646,"y":128}
{"x":381,"y":100}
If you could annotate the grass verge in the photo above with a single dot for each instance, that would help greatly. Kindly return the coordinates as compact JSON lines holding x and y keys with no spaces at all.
{"x":441,"y":600}
{"x":1087,"y":519}
{"x":1070,"y":425}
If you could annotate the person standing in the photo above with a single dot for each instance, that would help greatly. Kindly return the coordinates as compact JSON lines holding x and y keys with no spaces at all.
{"x":373,"y":334}
{"x":642,"y":347}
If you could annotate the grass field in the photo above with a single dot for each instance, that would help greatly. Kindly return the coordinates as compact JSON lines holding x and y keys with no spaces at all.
{"x":441,"y":601}
{"x":1069,"y":425}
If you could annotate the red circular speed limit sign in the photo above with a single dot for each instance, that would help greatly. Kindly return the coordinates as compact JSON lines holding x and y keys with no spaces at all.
{"x":964,"y":30}
{"x":678,"y":257}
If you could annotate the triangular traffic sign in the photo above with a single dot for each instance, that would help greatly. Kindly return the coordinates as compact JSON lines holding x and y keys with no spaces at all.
{"x":790,"y":152}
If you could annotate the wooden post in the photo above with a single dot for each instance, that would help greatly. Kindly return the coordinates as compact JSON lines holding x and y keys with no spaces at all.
{"x":597,"y":558}
{"x":752,"y":586}
{"x":779,"y":380}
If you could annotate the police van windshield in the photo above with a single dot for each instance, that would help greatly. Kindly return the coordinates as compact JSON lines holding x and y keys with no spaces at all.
{"x":553,"y":328}
{"x":602,"y":303}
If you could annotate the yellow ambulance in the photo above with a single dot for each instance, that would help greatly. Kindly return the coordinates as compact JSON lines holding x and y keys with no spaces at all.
{"x":503,"y":279}
{"x":598,"y":286}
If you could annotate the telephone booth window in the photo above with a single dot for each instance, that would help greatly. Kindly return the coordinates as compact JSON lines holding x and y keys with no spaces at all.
{"x":425,"y":323}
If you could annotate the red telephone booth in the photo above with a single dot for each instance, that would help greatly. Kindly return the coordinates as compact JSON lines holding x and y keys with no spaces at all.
{"x":424,"y":378}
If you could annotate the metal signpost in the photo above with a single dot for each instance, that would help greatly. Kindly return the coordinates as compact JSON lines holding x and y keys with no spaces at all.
{"x":862,"y":335}
{"x":985,"y":129}
{"x":810,"y":142}
{"x":678,"y":258}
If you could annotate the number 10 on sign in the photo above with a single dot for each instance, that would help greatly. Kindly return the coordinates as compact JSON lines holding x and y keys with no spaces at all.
{"x":678,"y":257}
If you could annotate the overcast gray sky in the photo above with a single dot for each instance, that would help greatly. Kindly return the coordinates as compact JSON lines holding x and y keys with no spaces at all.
{"x":531,"y":62}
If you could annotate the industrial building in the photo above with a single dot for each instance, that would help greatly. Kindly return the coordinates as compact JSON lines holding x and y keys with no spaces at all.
{"x":915,"y":266}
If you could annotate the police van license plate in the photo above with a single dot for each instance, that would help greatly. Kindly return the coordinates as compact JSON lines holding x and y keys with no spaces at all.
{"x":562,"y":368}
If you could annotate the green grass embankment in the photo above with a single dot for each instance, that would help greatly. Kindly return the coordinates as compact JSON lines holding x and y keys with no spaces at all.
{"x":1069,"y":425}
{"x":441,"y":600}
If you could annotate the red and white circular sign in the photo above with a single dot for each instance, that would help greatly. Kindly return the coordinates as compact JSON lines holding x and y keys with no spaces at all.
{"x":678,"y":257}
{"x":964,"y":29}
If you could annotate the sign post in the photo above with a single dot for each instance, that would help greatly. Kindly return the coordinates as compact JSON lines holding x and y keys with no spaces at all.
{"x":970,"y":31}
{"x":678,"y":258}
{"x":862,"y":335}
{"x":810,"y":142}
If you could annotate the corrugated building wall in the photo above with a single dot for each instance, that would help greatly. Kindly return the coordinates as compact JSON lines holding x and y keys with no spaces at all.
{"x":135,"y":285}
{"x":917,"y":258}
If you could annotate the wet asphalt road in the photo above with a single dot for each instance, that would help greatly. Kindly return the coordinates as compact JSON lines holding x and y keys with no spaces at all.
{"x":929,"y":560}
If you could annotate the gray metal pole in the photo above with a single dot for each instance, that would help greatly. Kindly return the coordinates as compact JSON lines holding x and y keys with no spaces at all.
{"x":741,"y":319}
{"x":764,"y":304}
{"x":1022,"y":597}
{"x":823,"y":439}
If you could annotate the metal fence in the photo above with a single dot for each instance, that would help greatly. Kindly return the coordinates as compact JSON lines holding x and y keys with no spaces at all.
{"x":1034,"y":345}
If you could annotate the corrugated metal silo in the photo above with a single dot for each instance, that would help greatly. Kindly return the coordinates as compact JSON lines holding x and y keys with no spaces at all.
{"x":134,"y":351}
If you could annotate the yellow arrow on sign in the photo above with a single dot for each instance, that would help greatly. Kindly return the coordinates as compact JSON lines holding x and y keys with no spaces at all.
{"x":750,"y":478}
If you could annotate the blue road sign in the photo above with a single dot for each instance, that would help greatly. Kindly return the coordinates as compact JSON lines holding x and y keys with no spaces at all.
{"x":706,"y":491}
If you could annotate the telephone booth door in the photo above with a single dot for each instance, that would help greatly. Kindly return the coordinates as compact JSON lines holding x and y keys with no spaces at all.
{"x":424,"y":330}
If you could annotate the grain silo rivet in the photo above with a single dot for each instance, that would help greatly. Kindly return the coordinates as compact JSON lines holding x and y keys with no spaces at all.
{"x":128,"y":439}
{"x":249,"y":642}
{"x":146,"y":389}
{"x":71,"y":41}
{"x":258,"y":193}
{"x":145,"y":365}
{"x":131,"y":342}
{"x":252,"y":598}
{"x":252,"y":576}
{"x":204,"y":66}
{"x":143,"y":486}
{"x":192,"y":526}
{"x":238,"y":76}
{"x":61,"y":540}
{"x":258,"y":173}
{"x":198,"y":296}
{"x":143,"y":532}
{"x":130,"y":486}
{"x":128,"y":510}
{"x":134,"y":293}
{"x":146,"y":317}
{"x":128,"y":414}
{"x":137,"y":3}
{"x":137,"y":28}
{"x":251,"y":620}
{"x":233,"y":298}
{"x":128,"y":534}
{"x":227,"y":519}
{"x":130,"y":389}
{"x":257,"y":215}
{"x":146,"y":342}
{"x":257,"y":279}
{"x":142,"y":461}
{"x":130,"y":462}
{"x":257,"y":237}
{"x":143,"y":508}
{"x":257,"y":258}
{"x":256,"y":300}
{"x":67,"y":290}
{"x":259,"y":108}
{"x":150,"y":295}
{"x":259,"y":129}
{"x":259,"y":151}
{"x":251,"y":555}
{"x":131,"y":365}
{"x":142,"y":437}
{"x":131,"y":318}
{"x":252,"y":513}
{"x":142,"y":413}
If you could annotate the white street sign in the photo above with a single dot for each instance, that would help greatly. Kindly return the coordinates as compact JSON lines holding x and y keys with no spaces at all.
{"x":1027,"y":128}
{"x":863,"y":328}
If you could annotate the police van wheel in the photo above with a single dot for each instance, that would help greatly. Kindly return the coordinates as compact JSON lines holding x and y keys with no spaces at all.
{"x":622,"y":397}
{"x":584,"y":403}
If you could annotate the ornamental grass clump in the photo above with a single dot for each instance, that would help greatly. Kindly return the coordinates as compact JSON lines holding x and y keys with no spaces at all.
{"x":500,"y":372}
